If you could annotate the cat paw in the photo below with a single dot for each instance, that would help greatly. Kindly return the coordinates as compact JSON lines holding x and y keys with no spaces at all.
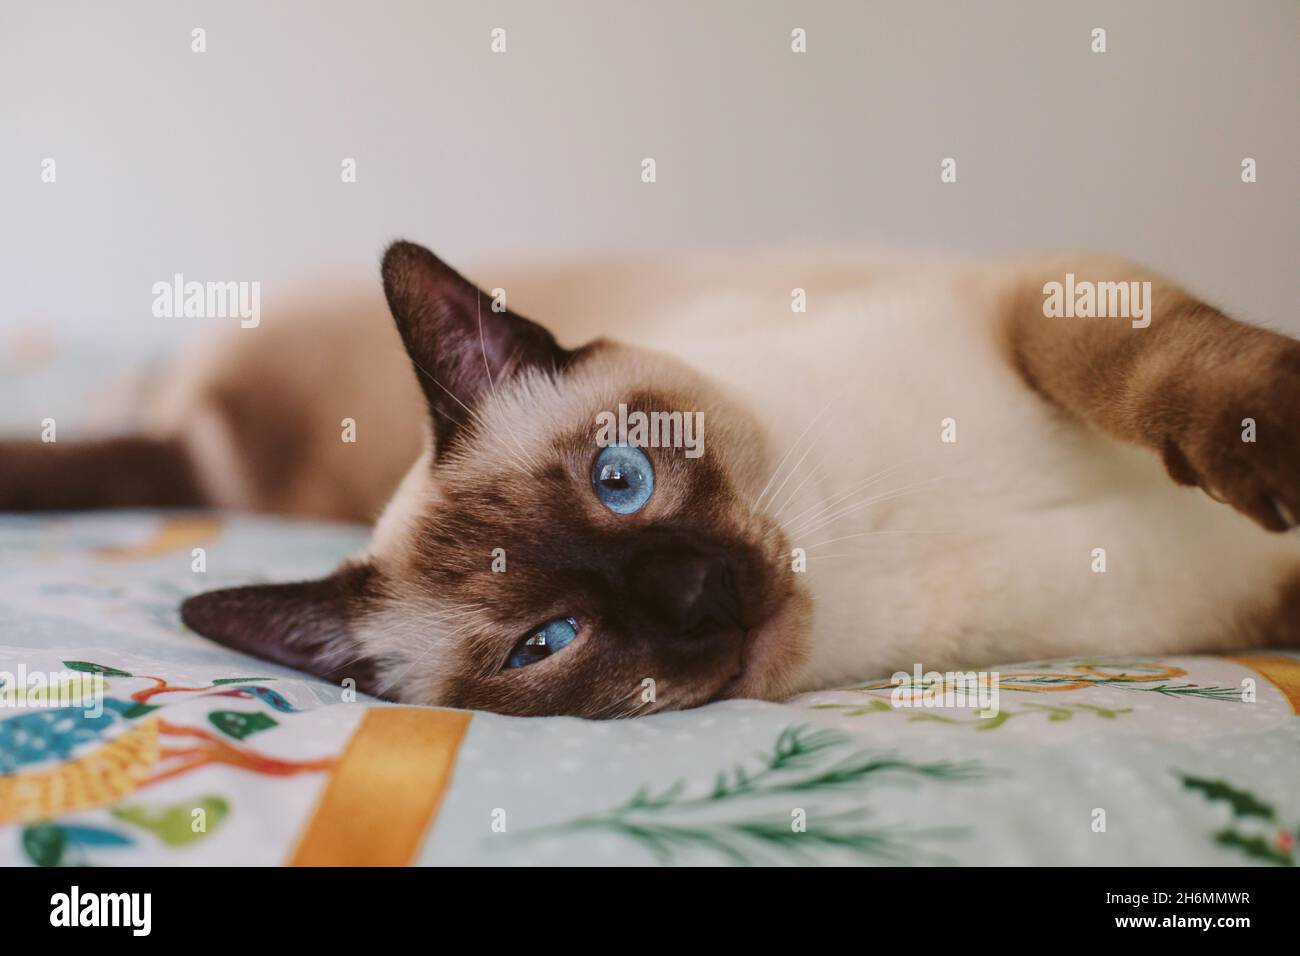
{"x":1239,"y":439}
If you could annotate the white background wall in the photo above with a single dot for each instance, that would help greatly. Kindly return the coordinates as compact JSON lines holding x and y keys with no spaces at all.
{"x":225,"y":165}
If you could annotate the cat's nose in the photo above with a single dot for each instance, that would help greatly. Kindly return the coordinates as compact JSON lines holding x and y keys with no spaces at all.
{"x":689,"y":593}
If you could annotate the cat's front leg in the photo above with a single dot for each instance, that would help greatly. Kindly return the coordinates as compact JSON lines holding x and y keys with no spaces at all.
{"x":1217,"y":399}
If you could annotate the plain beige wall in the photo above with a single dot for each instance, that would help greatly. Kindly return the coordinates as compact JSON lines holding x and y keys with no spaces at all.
{"x":225,"y":165}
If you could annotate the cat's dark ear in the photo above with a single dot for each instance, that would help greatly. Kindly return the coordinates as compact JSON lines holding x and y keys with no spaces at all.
{"x":305,"y":625}
{"x":460,"y":347}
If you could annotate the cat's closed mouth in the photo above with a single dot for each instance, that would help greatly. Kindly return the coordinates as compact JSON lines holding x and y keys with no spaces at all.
{"x":765,"y":653}
{"x":745,"y":666}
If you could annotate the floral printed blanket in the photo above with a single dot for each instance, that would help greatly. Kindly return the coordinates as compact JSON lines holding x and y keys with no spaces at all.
{"x":126,"y":739}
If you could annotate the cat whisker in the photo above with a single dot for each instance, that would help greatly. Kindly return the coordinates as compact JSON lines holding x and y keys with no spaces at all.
{"x":863,"y":552}
{"x":347,"y":663}
{"x":823,"y":507}
{"x":865,"y":534}
{"x":818,"y":524}
{"x":830,"y":519}
{"x":478,"y":303}
{"x":455,"y":632}
{"x":777,"y":492}
{"x":856,"y":553}
{"x":449,"y":617}
{"x":639,"y":708}
{"x":455,"y":610}
{"x":630,"y":705}
{"x":811,"y":516}
{"x":475,"y":415}
{"x":762,"y":494}
{"x":815,"y":473}
{"x":449,"y":621}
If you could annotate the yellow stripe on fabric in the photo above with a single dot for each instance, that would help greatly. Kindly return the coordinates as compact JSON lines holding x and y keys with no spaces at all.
{"x":385,"y":791}
{"x":172,"y":534}
{"x":1282,"y":672}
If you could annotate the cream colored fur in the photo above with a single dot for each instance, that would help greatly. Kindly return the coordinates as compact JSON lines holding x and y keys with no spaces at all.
{"x":975,"y":552}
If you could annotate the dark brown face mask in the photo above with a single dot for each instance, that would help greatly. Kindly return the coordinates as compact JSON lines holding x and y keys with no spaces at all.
{"x":566,"y":577}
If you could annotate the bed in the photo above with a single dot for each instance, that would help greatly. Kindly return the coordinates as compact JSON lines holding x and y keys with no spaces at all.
{"x":201,"y":756}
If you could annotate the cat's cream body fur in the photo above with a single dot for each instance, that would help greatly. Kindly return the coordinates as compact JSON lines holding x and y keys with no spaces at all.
{"x":987,"y":551}
{"x":975,"y":551}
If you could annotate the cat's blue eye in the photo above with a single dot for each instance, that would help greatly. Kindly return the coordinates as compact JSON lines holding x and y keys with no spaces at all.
{"x":542,"y":643}
{"x":623,"y":478}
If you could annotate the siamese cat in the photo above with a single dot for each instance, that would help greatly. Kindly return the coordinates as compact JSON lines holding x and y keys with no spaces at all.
{"x":889,"y":464}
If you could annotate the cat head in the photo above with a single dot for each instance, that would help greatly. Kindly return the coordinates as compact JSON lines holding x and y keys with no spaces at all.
{"x":568,"y":543}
